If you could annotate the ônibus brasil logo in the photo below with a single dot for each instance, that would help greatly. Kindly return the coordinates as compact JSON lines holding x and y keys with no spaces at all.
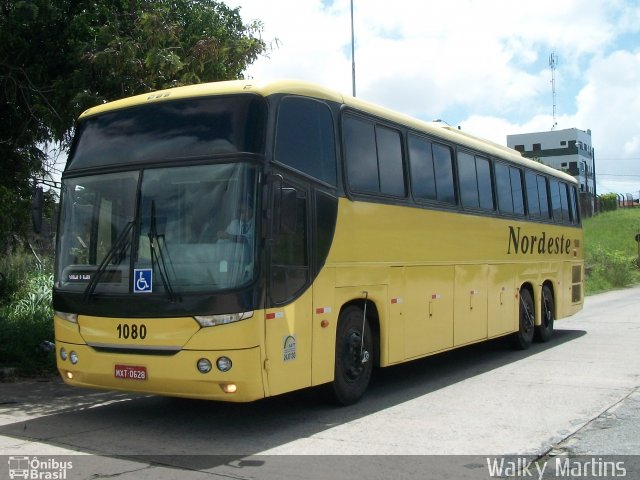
{"x":36,"y":469}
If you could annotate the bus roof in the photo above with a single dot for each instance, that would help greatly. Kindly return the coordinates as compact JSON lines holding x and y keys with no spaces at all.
{"x":308,"y":89}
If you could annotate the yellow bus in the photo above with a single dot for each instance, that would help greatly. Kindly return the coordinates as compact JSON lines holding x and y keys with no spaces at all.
{"x":238,"y":240}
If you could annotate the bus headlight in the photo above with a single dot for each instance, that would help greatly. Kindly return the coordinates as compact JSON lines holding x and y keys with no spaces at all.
{"x":204,"y":365}
{"x":224,"y":364}
{"x":63,"y":354}
{"x":69,"y":317}
{"x":213,"y":320}
{"x":73,"y":357}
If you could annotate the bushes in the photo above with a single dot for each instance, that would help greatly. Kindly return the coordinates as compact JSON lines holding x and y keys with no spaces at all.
{"x":609,"y":269}
{"x":611,"y":250}
{"x":26,"y":315}
{"x":608,"y":202}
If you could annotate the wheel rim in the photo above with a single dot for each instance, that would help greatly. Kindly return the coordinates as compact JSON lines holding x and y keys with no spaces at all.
{"x":527,"y":316}
{"x":547,"y":318}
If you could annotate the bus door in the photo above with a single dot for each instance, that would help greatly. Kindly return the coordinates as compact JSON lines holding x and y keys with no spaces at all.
{"x":288,"y":322}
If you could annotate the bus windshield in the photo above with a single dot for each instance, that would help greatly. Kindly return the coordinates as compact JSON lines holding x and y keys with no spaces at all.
{"x":192,"y":230}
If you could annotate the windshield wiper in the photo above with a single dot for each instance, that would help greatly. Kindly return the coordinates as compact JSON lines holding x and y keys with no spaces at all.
{"x":118,"y":248}
{"x":157,"y":255}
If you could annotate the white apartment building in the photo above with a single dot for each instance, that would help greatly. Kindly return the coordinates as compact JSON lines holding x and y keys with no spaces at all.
{"x":569,"y":150}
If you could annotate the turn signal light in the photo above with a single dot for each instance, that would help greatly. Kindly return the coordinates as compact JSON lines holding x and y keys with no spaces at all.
{"x":229,"y":387}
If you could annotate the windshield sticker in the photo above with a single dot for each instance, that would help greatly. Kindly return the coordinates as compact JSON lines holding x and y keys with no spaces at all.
{"x":142,"y":280}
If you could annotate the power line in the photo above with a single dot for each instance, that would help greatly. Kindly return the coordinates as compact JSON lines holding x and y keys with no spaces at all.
{"x":617,"y":175}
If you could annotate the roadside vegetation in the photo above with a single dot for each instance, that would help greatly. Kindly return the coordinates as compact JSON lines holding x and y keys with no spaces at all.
{"x":26,"y":326}
{"x":611,"y":251}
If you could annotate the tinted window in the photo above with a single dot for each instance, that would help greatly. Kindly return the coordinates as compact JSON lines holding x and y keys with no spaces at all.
{"x":537,"y":196}
{"x":374,"y":158}
{"x":566,"y":202}
{"x":503,"y":188}
{"x":509,"y":189}
{"x":305,"y":138}
{"x":468,"y":181}
{"x":360,"y":152}
{"x":556,"y":201}
{"x":561,"y":201}
{"x":485,"y":192}
{"x":533,"y":202}
{"x":443,"y":165}
{"x":423,"y":179}
{"x":475,"y":181}
{"x":575,"y":211}
{"x":543,"y":197}
{"x":516,"y":189}
{"x":183,"y":128}
{"x":289,"y":257}
{"x":390,"y":161}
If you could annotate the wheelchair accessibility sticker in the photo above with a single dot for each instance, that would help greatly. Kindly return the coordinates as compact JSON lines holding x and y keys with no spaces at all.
{"x":142,"y":280}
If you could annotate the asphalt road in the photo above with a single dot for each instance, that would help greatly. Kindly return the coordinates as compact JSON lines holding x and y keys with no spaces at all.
{"x":572,"y":404}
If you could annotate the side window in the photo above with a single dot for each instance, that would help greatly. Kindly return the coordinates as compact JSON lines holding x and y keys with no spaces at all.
{"x":390,"y":161}
{"x":509,"y":189}
{"x":467,"y":178}
{"x":503,"y":189}
{"x":431,"y":170}
{"x":537,"y":196}
{"x":305,"y":138}
{"x":289,"y":255}
{"x":561,"y":202}
{"x":374,"y":157}
{"x":575,"y":210}
{"x":475,"y":181}
{"x":556,"y":200}
{"x":533,"y":202}
{"x":485,"y":190}
{"x":423,"y":180}
{"x":361,"y":156}
{"x":543,"y":197}
{"x":566,"y":202}
{"x":443,"y":166}
{"x":516,"y":189}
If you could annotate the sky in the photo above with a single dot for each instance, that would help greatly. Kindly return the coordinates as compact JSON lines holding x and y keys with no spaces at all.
{"x":482,"y":65}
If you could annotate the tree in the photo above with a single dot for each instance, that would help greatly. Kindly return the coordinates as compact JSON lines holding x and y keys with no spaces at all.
{"x":60,"y":57}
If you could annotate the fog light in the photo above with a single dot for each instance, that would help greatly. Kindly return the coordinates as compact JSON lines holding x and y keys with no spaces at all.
{"x":69,"y":375}
{"x":229,"y":387}
{"x":73,"y":356}
{"x":63,"y":354}
{"x":204,"y":365}
{"x":224,"y":364}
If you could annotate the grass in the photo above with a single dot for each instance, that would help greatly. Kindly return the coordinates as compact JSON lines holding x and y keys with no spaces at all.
{"x":26,"y":317}
{"x":611,"y":252}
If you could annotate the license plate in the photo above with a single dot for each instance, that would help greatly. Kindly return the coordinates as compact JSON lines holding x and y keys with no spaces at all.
{"x":131,"y":372}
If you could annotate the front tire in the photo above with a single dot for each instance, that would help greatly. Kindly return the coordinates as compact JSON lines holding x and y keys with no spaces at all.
{"x":521,"y":340}
{"x":354,"y":358}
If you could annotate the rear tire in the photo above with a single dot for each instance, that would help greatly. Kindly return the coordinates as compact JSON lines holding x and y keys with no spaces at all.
{"x":351,"y":374}
{"x":521,"y":340}
{"x":544,"y":331}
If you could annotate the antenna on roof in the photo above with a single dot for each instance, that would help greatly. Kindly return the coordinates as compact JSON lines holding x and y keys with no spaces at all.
{"x":553,"y":61}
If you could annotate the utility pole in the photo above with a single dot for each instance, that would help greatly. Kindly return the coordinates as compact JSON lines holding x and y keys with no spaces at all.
{"x":353,"y":55}
{"x":553,"y":61}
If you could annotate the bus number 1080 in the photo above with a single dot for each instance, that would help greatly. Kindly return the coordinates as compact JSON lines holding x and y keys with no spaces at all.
{"x":132,"y":331}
